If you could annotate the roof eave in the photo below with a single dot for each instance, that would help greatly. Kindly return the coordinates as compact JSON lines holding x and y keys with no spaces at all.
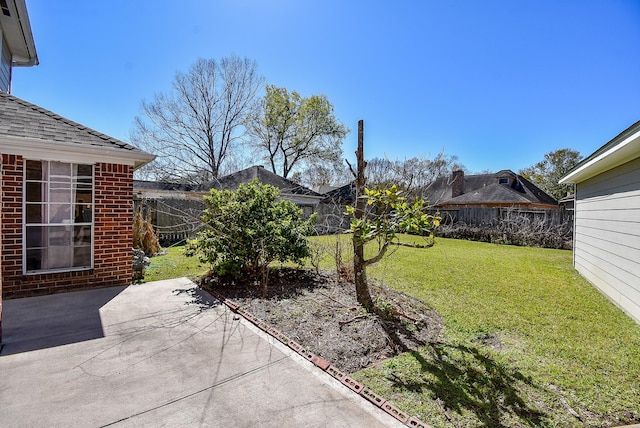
{"x":625,"y":151}
{"x":18,"y":36}
{"x":73,"y":152}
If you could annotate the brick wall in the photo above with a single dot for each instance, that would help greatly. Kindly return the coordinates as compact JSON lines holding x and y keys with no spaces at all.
{"x":113,"y":234}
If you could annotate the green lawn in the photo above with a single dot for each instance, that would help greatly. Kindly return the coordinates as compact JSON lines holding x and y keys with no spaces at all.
{"x":174,"y":264}
{"x":527,"y":341}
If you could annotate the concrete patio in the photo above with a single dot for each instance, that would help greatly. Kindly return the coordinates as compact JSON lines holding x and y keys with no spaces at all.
{"x":159,"y":354}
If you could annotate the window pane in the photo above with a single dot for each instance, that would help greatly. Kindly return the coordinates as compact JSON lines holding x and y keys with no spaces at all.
{"x":35,"y":192}
{"x":81,"y":235}
{"x":36,"y":236}
{"x":60,"y":192}
{"x":83,"y":195}
{"x":59,"y":257}
{"x":59,"y":236}
{"x":85,"y":171}
{"x":60,"y":213}
{"x":34,"y":259}
{"x":35,"y":170}
{"x":36,"y":213}
{"x":83,"y":213}
{"x":60,"y":170}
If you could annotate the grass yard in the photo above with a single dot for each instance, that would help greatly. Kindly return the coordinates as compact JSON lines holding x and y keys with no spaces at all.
{"x":527,"y":341}
{"x":174,"y":264}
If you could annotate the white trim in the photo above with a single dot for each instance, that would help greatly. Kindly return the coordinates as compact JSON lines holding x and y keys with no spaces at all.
{"x":62,"y":151}
{"x":623,"y":152}
{"x":17,"y":32}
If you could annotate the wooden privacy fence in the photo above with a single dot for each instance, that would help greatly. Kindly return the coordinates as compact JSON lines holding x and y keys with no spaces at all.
{"x":174,"y":220}
{"x":487,"y":216}
{"x":515,"y":226}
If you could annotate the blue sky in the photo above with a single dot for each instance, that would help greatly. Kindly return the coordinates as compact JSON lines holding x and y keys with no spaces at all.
{"x":496,"y":83}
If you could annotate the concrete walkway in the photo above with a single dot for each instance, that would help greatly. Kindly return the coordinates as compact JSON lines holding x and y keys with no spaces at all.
{"x":159,"y":354}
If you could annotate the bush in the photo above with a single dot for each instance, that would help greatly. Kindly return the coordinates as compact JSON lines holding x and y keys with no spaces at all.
{"x":249,"y":228}
{"x":513,"y":229}
{"x":145,"y":237}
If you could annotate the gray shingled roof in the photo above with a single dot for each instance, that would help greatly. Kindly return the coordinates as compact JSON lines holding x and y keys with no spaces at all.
{"x":232,"y":181}
{"x":485,"y":188}
{"x":162,"y":185}
{"x":19,"y":118}
{"x":342,"y":195}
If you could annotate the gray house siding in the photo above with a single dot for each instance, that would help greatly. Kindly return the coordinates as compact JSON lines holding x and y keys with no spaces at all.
{"x":5,"y":67}
{"x":607,"y":234}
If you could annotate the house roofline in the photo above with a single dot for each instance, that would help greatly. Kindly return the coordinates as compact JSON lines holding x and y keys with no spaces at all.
{"x":622,"y":149}
{"x":18,"y":35}
{"x":74,"y":152}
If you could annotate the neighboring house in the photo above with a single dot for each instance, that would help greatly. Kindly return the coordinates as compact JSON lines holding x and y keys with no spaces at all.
{"x":483,"y":199}
{"x":332,"y":217}
{"x":305,"y":198}
{"x":470,"y":199}
{"x":175,"y":208}
{"x":504,"y":189}
{"x":607,"y":219}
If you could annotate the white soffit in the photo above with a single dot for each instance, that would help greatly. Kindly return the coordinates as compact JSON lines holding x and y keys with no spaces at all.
{"x":72,"y":152}
{"x":623,"y":152}
{"x":16,"y":29}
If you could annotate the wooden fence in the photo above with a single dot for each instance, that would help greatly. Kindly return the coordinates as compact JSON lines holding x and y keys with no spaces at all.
{"x":485,"y":216}
{"x":174,"y":220}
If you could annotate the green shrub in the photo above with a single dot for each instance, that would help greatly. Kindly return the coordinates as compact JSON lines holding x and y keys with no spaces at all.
{"x":249,"y":228}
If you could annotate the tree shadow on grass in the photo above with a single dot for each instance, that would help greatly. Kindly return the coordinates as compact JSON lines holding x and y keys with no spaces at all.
{"x":464,"y":380}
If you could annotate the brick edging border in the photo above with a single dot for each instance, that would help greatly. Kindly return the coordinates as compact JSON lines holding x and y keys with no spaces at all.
{"x":319,"y":362}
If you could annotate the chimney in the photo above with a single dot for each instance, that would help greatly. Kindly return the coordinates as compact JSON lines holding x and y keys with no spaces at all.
{"x":457,"y":183}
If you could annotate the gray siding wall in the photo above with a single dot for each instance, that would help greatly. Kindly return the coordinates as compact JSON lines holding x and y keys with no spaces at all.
{"x":607,"y":234}
{"x":5,"y":67}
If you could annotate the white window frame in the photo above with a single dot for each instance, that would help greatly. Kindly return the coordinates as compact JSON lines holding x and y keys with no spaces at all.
{"x":47,"y":203}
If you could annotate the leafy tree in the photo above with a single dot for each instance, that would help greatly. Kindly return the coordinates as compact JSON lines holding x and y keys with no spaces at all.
{"x":381,"y":216}
{"x":249,"y":228}
{"x":384,"y":218}
{"x":193,"y":128}
{"x":555,"y":165}
{"x":291,"y":130}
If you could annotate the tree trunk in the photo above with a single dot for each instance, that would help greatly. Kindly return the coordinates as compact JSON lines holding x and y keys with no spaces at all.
{"x":359,"y":268}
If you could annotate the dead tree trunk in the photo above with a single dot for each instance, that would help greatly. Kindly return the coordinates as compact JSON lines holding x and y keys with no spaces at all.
{"x":359,"y":265}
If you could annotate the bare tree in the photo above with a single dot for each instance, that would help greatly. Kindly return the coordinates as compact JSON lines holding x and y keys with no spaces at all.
{"x":193,"y":128}
{"x":410,"y":174}
{"x":325,"y":174}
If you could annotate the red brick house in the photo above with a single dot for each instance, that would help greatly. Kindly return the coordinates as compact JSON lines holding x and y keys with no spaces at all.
{"x":67,"y":203}
{"x":66,"y":191}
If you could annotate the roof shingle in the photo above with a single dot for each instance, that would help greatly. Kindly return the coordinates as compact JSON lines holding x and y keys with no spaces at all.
{"x":20,"y":118}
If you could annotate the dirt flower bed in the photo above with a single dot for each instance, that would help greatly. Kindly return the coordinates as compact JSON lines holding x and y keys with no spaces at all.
{"x":321,"y":312}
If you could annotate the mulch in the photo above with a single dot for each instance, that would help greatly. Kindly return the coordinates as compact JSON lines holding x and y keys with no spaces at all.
{"x":321,"y":312}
